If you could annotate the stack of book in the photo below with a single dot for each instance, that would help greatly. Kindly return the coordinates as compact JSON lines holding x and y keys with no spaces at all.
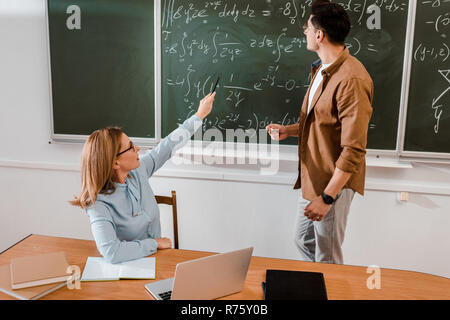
{"x":32,"y":277}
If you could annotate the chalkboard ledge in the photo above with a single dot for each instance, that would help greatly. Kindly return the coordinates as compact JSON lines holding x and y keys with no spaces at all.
{"x":261,"y":153}
{"x":228,"y":174}
{"x":387,"y":162}
{"x":371,"y":161}
{"x":265,"y":153}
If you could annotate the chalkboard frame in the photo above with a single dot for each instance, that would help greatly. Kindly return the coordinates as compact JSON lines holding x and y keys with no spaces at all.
{"x":77,"y":138}
{"x":399,"y":152}
{"x":402,"y":153}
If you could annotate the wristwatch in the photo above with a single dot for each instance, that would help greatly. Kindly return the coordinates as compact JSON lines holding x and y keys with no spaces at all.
{"x":327,"y":199}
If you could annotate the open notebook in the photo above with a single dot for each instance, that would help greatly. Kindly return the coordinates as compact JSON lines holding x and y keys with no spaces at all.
{"x":97,"y":269}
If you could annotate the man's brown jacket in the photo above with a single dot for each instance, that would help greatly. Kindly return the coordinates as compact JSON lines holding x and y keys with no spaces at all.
{"x":334,"y":133}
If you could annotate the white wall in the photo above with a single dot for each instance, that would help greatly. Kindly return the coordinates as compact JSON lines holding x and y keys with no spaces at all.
{"x":220,"y":207}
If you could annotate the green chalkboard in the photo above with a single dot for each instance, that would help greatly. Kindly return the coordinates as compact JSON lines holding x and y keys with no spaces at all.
{"x":259,"y":50}
{"x":428,"y":113}
{"x":102,"y":66}
{"x":103,"y":72}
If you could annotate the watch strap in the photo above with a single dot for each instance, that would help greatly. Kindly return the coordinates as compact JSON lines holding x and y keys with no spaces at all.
{"x":327,"y":198}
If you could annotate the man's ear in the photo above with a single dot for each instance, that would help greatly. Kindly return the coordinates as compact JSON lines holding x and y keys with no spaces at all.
{"x":320,"y":36}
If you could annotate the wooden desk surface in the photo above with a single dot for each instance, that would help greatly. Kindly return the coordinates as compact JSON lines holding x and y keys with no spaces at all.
{"x":342,"y":282}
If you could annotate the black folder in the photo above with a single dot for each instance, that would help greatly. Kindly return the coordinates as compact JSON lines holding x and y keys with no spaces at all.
{"x":294,"y":285}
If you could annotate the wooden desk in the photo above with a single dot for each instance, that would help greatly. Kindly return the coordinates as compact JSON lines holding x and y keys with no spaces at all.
{"x":342,"y":282}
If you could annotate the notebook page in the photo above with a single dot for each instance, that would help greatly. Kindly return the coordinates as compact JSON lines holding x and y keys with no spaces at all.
{"x":97,"y":269}
{"x":144,"y":268}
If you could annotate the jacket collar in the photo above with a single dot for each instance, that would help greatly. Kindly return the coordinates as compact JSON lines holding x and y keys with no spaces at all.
{"x":328,"y":72}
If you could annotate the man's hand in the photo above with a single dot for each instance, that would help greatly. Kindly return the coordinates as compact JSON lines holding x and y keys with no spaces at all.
{"x":277,"y":131}
{"x":316,"y":210}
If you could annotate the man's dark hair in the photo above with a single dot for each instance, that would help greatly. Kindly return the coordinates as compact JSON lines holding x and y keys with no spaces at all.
{"x":332,"y":19}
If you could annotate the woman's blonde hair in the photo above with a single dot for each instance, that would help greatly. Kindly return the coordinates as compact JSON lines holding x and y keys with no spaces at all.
{"x":97,"y":165}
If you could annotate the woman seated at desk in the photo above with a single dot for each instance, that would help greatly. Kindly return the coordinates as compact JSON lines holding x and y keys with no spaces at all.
{"x":115,"y":191}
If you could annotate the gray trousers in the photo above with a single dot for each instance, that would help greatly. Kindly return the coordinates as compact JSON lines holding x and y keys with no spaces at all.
{"x":321,"y":241}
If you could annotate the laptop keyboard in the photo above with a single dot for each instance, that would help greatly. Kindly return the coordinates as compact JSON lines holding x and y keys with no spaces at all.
{"x":166,"y":295}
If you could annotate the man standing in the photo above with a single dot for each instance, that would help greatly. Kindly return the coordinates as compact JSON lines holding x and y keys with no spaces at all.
{"x":332,"y":134}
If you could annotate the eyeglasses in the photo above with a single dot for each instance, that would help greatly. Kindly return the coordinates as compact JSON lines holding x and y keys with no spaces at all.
{"x":305,"y":28}
{"x":132,"y":146}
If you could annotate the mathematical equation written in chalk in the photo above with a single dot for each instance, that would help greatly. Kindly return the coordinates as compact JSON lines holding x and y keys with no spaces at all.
{"x":256,"y":46}
{"x":434,"y":51}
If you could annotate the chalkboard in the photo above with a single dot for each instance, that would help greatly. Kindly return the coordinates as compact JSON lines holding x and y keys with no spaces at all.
{"x":259,"y":50}
{"x":102,"y":66}
{"x":428,"y":113}
{"x":103,"y":71}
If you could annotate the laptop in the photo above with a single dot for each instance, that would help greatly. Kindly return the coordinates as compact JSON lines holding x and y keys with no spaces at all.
{"x":205,"y":278}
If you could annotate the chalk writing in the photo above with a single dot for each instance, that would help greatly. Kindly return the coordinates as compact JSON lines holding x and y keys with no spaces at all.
{"x":260,"y":52}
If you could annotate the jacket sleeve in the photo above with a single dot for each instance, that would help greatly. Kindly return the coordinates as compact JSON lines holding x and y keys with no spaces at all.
{"x":109,"y":246}
{"x":156,"y":158}
{"x":354,"y":104}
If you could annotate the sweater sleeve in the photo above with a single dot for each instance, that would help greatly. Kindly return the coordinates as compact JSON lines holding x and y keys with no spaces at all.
{"x":109,"y":246}
{"x":155,"y":158}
